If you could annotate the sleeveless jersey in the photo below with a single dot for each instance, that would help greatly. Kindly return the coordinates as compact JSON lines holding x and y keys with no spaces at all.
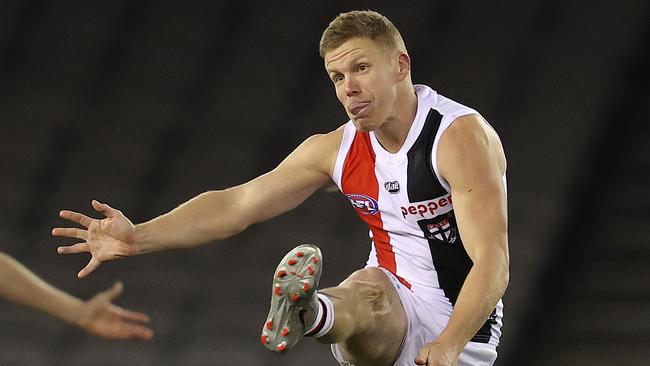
{"x":409,"y":208}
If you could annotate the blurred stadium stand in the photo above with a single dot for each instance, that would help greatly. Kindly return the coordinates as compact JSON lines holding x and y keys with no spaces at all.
{"x":144,"y":104}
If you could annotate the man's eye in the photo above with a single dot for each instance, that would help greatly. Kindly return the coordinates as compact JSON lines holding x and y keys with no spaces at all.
{"x":338,"y":78}
{"x":362,"y":67}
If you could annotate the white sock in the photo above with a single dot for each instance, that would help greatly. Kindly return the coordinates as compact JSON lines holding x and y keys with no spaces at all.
{"x":324,"y":316}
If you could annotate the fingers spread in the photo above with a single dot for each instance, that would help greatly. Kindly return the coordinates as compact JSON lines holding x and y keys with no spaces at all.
{"x":76,"y":217}
{"x":70,"y":232}
{"x":72,"y":249}
{"x":91,"y":266}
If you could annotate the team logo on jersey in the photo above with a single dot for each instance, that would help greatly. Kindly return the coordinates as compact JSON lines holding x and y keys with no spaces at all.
{"x":364,"y":204}
{"x":392,"y":187}
{"x":442,"y":230}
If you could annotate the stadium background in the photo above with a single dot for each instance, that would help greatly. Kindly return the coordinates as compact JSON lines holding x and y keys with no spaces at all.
{"x":144,"y":104}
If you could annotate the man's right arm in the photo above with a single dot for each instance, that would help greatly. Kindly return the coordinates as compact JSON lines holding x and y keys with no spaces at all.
{"x":210,"y":216}
{"x":220,"y":214}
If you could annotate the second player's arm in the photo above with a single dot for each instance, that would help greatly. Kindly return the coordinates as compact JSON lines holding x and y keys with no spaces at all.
{"x":97,"y":316}
{"x":219,"y":214}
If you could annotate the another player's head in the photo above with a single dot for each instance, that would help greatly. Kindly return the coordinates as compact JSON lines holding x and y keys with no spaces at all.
{"x":366,"y":59}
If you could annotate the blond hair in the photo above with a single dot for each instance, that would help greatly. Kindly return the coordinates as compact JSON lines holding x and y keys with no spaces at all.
{"x":360,"y":23}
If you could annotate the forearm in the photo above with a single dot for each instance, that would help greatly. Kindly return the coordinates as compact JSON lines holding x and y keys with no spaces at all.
{"x":210,"y":216}
{"x":483,"y":287}
{"x":20,"y":285}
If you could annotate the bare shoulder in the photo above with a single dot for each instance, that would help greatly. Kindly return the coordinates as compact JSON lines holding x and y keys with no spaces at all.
{"x":319,"y":151}
{"x":470,"y":128}
{"x":470,"y":144}
{"x":326,"y":141}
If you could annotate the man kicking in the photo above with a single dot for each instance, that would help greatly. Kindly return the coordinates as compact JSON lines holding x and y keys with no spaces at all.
{"x":426,"y":174}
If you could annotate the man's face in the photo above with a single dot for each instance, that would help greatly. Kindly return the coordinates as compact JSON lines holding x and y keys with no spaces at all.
{"x":365,"y":75}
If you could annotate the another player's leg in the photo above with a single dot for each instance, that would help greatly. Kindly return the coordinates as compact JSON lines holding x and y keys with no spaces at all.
{"x":363,"y":314}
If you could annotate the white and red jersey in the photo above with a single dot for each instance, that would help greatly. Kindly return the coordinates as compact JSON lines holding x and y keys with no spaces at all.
{"x":408,"y":206}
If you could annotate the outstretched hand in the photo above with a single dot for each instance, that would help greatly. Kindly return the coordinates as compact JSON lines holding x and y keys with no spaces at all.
{"x":105,"y":239}
{"x":100,"y":317}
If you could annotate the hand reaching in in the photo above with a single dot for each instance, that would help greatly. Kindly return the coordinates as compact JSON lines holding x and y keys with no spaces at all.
{"x":105,"y":239}
{"x":100,"y":317}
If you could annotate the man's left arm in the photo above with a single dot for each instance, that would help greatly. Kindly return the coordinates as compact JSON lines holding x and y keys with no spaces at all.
{"x":471,"y":160}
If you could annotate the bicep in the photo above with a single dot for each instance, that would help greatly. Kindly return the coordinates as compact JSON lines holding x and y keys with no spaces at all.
{"x":301,"y":174}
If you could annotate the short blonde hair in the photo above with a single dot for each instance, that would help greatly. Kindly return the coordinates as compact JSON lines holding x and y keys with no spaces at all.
{"x":360,"y":23}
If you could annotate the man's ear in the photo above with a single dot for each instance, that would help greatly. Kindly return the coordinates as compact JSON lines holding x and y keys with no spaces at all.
{"x":404,"y":64}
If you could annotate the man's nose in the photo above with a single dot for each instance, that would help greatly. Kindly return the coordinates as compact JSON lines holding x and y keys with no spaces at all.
{"x":351,"y":86}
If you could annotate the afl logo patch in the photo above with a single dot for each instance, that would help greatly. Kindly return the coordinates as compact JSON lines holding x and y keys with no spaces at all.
{"x":364,"y":204}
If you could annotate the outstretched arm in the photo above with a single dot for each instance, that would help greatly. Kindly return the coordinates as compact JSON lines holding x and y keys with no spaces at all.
{"x":97,"y":316}
{"x":210,"y":216}
{"x":217,"y":215}
{"x":471,"y":159}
